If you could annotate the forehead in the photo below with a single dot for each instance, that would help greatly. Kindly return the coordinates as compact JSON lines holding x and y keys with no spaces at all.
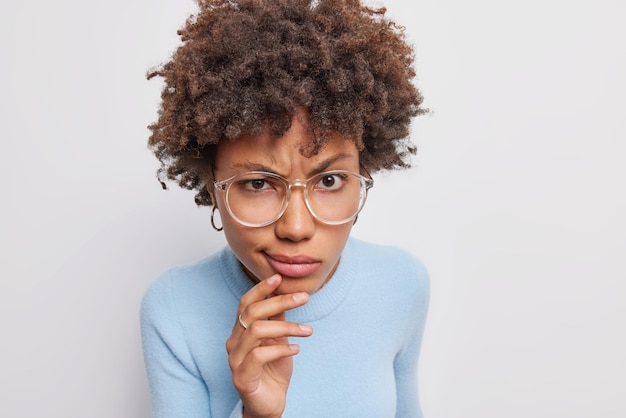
{"x":285,"y":154}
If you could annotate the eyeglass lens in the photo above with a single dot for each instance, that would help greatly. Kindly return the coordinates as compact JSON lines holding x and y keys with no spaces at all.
{"x":257,"y":198}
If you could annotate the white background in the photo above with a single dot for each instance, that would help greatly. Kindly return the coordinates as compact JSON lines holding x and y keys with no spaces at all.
{"x":516,"y":204}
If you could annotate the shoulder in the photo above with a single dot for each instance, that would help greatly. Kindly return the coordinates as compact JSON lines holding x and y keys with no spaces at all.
{"x":187,"y":282}
{"x":390,"y":272}
{"x":394,"y":282}
{"x":390,"y":258}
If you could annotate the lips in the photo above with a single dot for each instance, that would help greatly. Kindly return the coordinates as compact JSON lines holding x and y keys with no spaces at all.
{"x":299,"y":266}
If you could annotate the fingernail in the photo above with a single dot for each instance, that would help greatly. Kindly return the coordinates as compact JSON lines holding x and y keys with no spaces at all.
{"x":273,"y":279}
{"x":300,"y":297}
{"x":306,"y":328}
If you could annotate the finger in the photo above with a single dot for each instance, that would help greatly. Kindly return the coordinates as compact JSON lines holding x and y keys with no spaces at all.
{"x":260,"y":291}
{"x":278,"y":317}
{"x":252,"y":366}
{"x":272,"y":307}
{"x":266,"y":333}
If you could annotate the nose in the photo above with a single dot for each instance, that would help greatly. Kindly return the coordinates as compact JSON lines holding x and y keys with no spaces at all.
{"x":297,"y":223}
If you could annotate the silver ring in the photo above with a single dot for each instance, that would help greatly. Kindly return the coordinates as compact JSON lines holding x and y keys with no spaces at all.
{"x":243,"y":324}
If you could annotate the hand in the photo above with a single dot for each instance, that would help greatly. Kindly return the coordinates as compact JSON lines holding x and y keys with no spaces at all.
{"x":260,"y":357}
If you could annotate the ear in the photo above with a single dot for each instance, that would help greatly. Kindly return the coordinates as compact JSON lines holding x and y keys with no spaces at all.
{"x":209,"y":182}
{"x":211,"y":191}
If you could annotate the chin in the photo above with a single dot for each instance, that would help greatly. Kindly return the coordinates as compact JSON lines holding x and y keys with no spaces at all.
{"x":309,"y":285}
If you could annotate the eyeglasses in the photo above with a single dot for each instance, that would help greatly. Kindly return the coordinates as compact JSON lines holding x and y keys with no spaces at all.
{"x":258,"y":198}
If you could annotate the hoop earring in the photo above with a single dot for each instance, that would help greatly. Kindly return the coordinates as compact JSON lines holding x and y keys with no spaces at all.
{"x":356,"y":218}
{"x":213,"y":220}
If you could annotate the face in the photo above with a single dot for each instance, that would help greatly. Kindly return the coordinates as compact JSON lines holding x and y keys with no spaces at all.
{"x":303,"y":250}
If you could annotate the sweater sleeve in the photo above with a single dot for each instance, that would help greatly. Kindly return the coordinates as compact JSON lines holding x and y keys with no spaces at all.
{"x":176,"y":386}
{"x":406,"y":362}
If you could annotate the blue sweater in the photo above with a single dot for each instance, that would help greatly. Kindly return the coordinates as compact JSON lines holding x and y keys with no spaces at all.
{"x":361,"y":360}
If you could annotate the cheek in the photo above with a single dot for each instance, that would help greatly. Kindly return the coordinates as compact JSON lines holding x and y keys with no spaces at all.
{"x":237,"y":237}
{"x":243,"y":241}
{"x":334,"y":239}
{"x":241,"y":245}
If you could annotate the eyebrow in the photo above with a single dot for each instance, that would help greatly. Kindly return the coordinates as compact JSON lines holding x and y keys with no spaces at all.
{"x":321,"y":167}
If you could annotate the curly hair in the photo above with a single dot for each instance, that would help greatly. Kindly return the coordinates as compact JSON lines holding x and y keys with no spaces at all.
{"x":248,"y":66}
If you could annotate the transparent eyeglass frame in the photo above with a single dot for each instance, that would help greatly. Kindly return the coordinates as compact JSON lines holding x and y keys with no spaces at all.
{"x":224,"y":186}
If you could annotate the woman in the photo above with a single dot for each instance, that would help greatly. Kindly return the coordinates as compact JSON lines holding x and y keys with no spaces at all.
{"x":276,"y":112}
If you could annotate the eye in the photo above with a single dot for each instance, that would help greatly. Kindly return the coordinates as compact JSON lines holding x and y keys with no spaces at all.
{"x":257,"y":184}
{"x":330,"y":182}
